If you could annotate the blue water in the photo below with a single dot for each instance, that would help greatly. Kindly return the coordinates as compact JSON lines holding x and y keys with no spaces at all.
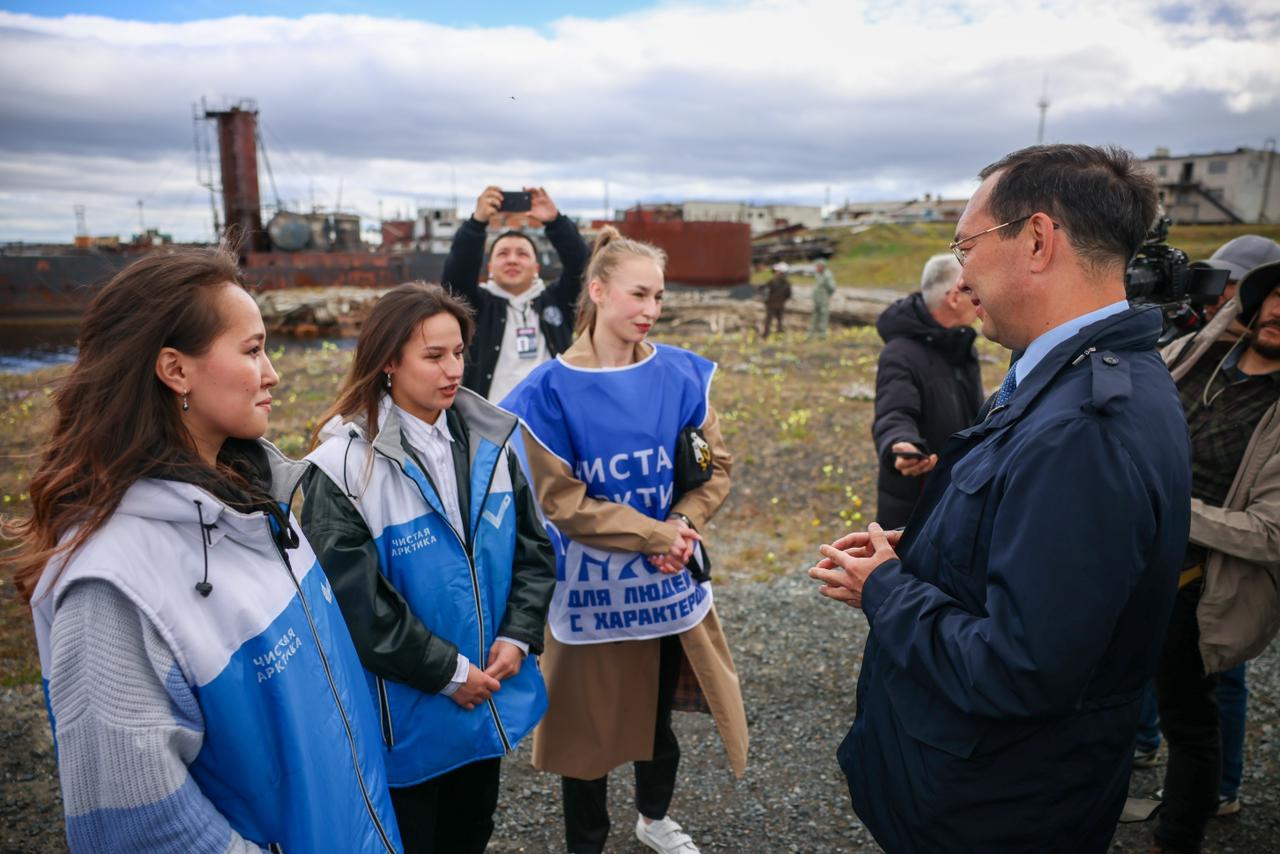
{"x":36,"y":351}
{"x":30,"y":359}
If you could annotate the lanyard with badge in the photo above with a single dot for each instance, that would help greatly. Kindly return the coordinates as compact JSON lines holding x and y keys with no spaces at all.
{"x":526,"y":336}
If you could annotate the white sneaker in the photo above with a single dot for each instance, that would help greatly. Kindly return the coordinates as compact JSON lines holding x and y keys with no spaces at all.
{"x":665,"y":836}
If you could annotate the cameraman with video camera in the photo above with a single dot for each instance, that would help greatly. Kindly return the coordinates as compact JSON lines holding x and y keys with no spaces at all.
{"x":1227,"y":608}
{"x":520,"y":320}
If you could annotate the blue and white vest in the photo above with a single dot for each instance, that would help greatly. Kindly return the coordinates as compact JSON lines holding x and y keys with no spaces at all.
{"x":616,"y":429}
{"x":460,"y":597}
{"x":289,"y":755}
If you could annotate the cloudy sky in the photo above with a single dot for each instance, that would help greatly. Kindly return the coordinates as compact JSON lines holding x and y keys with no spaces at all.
{"x":389,"y":105}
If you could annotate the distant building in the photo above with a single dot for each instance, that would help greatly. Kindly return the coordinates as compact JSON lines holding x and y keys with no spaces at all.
{"x":397,"y":235}
{"x":107,"y":241}
{"x":927,"y":209}
{"x":1219,"y":187}
{"x":434,"y":229}
{"x":152,"y":237}
{"x":761,"y":218}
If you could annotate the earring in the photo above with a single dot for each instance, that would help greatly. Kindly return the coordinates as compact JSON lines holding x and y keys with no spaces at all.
{"x":388,"y":376}
{"x":185,"y":406}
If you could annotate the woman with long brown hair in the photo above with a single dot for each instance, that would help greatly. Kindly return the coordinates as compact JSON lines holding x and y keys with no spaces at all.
{"x":628,"y":464}
{"x":203,"y":690}
{"x":430,"y":536}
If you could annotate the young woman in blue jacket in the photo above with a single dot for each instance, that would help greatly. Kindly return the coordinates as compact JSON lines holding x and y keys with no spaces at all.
{"x":204,"y":692}
{"x":430,"y":536}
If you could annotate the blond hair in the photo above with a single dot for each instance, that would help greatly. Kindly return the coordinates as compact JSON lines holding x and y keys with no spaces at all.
{"x":610,"y":250}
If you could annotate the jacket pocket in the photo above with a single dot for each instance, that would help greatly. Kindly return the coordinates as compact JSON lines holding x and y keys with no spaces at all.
{"x":384,"y":713}
{"x":958,"y":525}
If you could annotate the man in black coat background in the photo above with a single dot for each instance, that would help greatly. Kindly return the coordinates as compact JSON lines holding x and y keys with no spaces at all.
{"x":520,"y":320}
{"x":928,"y":384}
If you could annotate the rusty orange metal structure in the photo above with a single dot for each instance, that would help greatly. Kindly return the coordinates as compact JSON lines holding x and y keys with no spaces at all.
{"x":271,"y":270}
{"x":238,"y":154}
{"x":698,"y":253}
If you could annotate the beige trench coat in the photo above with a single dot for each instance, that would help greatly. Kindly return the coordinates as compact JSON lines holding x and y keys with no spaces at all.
{"x":1239,"y":609}
{"x":583,"y":735}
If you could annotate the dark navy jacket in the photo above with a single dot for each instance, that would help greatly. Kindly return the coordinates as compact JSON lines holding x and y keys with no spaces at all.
{"x":1009,"y":644}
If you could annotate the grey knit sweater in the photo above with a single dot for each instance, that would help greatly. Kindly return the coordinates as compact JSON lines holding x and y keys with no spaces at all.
{"x":128,"y":726}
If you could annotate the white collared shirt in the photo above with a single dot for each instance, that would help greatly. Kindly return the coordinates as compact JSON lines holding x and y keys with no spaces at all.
{"x":434,"y":445}
{"x":511,"y":370}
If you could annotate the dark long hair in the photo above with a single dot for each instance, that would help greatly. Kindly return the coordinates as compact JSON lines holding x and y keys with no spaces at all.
{"x":115,"y":421}
{"x":388,"y":328}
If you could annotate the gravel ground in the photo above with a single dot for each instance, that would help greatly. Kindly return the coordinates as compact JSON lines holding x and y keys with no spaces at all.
{"x":798,"y":656}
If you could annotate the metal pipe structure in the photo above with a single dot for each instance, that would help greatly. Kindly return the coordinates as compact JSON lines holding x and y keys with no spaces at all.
{"x":238,"y":153}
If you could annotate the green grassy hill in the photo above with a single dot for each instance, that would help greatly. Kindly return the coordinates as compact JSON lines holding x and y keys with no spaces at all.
{"x":891,"y":256}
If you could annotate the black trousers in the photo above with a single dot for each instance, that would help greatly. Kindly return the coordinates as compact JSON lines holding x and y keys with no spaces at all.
{"x":772,"y":316}
{"x":586,"y":802}
{"x":449,"y":814}
{"x":1189,"y":720}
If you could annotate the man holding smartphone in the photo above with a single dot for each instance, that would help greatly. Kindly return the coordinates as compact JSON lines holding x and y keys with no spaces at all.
{"x":521,"y":321}
{"x":928,"y":384}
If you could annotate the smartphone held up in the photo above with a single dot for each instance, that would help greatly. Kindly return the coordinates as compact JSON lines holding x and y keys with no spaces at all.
{"x":516,"y":201}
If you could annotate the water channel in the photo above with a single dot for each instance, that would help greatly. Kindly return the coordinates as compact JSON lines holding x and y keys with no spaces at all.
{"x":28,"y":345}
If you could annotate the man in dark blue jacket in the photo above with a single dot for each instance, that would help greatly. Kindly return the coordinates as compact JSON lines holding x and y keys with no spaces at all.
{"x":1015,"y":620}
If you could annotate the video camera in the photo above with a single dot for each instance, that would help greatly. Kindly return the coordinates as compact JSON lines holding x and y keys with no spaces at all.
{"x":1162,"y":275}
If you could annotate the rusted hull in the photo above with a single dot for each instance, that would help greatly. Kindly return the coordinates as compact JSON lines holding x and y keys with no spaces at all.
{"x":52,"y":285}
{"x":271,"y":270}
{"x":701,"y":254}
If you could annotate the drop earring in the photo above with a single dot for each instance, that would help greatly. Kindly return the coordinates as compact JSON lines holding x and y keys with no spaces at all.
{"x":185,"y":406}
{"x":388,"y":376}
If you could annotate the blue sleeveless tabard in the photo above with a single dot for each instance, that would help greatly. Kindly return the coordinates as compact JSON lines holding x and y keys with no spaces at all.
{"x":616,"y":429}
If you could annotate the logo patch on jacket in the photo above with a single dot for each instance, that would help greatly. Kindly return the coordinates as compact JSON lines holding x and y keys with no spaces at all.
{"x":274,"y":661}
{"x":552,"y":315}
{"x":411,"y":542}
{"x":495,"y":519}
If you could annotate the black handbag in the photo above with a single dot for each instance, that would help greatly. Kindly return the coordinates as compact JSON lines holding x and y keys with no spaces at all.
{"x":693,"y":460}
{"x":693,"y":469}
{"x":699,"y":564}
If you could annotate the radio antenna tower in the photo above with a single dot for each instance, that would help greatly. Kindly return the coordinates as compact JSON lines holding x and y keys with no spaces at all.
{"x":1043,"y":104}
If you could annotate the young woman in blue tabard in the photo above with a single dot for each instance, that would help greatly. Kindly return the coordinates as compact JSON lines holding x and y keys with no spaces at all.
{"x":628,"y":621}
{"x":425,"y":525}
{"x":203,"y":689}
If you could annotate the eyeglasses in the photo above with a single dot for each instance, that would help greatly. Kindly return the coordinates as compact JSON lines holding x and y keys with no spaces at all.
{"x":962,"y":253}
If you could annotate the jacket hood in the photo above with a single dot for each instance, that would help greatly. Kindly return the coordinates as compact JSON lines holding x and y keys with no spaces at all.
{"x":910,"y":318}
{"x":1181,"y":354}
{"x":519,"y":301}
{"x":174,"y":500}
{"x":482,"y":418}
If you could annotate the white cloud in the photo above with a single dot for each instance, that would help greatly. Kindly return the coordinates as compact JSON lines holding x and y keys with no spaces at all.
{"x":758,"y":100}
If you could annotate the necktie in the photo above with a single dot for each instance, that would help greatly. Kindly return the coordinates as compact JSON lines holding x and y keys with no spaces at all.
{"x":1006,"y":388}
